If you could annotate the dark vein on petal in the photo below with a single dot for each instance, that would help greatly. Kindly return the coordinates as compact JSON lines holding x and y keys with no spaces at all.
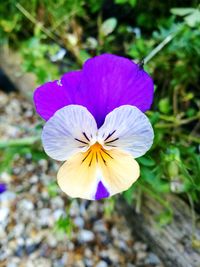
{"x":106,"y":153}
{"x":86,"y":136}
{"x":102,"y":158}
{"x":110,"y":135}
{"x":86,"y":156}
{"x":80,"y":141}
{"x":111,"y":145}
{"x":112,"y":141}
{"x":91,"y":160}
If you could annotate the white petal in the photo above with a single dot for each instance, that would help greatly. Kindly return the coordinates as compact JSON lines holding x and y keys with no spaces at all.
{"x":128,"y":129}
{"x":72,"y":129}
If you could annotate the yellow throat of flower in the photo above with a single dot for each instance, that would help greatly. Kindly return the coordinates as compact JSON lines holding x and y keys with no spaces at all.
{"x":96,"y":154}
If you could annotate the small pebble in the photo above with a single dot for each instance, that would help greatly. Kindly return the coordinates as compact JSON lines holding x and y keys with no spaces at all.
{"x":79,"y":222}
{"x":25,"y":204}
{"x":5,"y":177}
{"x":4,"y":212}
{"x":102,"y":264}
{"x":85,"y":236}
{"x":152,"y":259}
{"x":99,"y":226}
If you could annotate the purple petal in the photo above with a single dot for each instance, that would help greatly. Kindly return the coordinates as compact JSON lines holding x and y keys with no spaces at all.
{"x":3,"y":188}
{"x":52,"y":96}
{"x":101,"y":192}
{"x":109,"y":81}
{"x":106,"y":82}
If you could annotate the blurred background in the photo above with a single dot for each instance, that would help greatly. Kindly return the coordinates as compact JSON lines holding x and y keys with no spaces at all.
{"x":39,"y":225}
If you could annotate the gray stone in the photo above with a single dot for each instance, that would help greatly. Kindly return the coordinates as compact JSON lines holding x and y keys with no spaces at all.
{"x":25,"y":205}
{"x":4,"y":212}
{"x":79,"y":222}
{"x":33,"y":179}
{"x":57,"y":202}
{"x":5,"y":177}
{"x":152,"y":259}
{"x":2,"y":233}
{"x":45,"y":217}
{"x":58,"y":213}
{"x":88,"y":262}
{"x":141,"y":255}
{"x":88,"y":253}
{"x":52,"y":241}
{"x":85,"y":236}
{"x":6,"y":198}
{"x":102,"y":264}
{"x":99,"y":226}
{"x":130,"y":265}
{"x":74,"y":208}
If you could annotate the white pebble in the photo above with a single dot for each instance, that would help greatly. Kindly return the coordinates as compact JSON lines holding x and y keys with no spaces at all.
{"x":79,"y":222}
{"x":5,"y":177}
{"x":4,"y":212}
{"x":102,"y":264}
{"x":85,"y":236}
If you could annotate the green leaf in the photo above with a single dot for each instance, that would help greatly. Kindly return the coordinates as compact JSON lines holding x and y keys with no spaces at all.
{"x":52,"y":189}
{"x":154,"y":117}
{"x":83,"y":55}
{"x":147,"y":161}
{"x":181,"y":11}
{"x":149,"y":176}
{"x":164,"y":218}
{"x":108,"y":26}
{"x":130,"y":2}
{"x":65,"y":225}
{"x":128,"y":195}
{"x":193,"y":18}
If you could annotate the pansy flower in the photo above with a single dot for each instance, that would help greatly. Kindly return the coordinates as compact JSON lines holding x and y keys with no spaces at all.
{"x":97,"y":126}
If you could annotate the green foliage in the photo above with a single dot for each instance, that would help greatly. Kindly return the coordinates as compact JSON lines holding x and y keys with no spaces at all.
{"x":53,"y":189}
{"x":64,"y":225}
{"x":191,"y":15}
{"x":18,"y":147}
{"x":130,"y":2}
{"x":109,"y":206}
{"x":35,"y":52}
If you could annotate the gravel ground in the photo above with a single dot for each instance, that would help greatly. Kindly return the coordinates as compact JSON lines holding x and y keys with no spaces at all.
{"x":32,"y":205}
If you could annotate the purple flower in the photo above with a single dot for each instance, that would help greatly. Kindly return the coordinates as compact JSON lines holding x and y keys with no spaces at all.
{"x":95,"y":122}
{"x":2,"y":188}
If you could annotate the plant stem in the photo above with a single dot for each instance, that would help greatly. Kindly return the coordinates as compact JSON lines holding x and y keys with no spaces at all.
{"x":34,"y":21}
{"x":19,"y":142}
{"x":159,"y":47}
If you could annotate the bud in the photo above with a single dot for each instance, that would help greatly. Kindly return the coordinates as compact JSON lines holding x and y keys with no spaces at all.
{"x":173,"y":169}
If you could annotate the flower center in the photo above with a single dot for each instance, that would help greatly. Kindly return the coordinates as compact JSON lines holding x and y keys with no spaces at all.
{"x":96,"y":154}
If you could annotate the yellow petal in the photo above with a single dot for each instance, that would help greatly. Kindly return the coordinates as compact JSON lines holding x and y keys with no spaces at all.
{"x":98,"y":173}
{"x":120,"y":172}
